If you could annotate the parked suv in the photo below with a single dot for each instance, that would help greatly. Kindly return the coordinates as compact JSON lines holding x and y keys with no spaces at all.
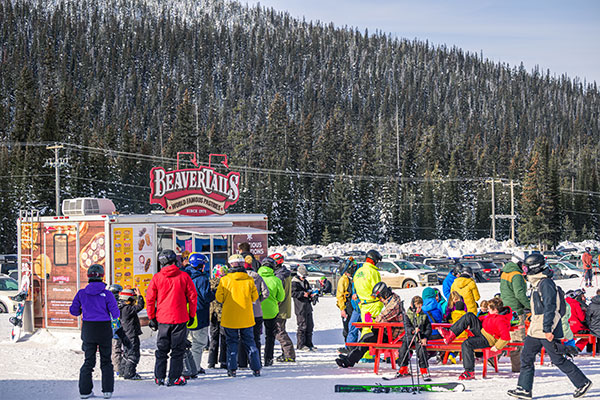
{"x":484,"y":270}
{"x":404,"y":274}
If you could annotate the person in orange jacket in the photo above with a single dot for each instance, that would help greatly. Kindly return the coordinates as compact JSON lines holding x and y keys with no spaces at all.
{"x":586,"y":258}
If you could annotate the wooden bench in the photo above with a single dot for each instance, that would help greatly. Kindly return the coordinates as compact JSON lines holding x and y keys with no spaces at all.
{"x":591,"y":339}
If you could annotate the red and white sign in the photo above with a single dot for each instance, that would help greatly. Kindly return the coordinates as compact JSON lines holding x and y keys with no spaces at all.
{"x":195,"y":191}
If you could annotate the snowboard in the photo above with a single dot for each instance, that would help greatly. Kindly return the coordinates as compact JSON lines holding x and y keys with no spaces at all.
{"x":409,"y":388}
{"x":17,"y":320}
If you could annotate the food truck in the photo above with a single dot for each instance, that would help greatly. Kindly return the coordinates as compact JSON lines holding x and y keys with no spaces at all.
{"x":56,"y":251}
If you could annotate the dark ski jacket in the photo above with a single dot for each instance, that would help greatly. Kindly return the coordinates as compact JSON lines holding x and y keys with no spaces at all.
{"x":285,"y":307}
{"x":545,"y":315}
{"x":205,"y":294}
{"x":302,"y":304}
{"x":95,"y":303}
{"x":593,"y":315}
{"x":414,"y":320}
{"x":129,"y":317}
{"x":255,"y":262}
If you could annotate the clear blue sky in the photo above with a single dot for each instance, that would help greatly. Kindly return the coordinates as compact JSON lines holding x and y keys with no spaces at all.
{"x":562,"y":36}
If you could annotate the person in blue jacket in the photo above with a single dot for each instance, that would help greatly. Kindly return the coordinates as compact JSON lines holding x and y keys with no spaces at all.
{"x":447,"y":285}
{"x":198,"y":329}
{"x":98,"y":308}
{"x":432,"y":308}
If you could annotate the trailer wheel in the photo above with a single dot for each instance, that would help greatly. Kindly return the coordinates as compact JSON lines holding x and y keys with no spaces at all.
{"x":3,"y":308}
{"x":409,"y":283}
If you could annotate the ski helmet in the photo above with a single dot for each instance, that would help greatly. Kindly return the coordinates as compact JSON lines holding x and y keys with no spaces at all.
{"x":269,"y":262}
{"x":349,"y":267}
{"x":95,"y":273}
{"x":167,"y":257}
{"x":115,"y":290}
{"x":198,"y":260}
{"x":236,"y":261}
{"x":127,"y":294}
{"x":278,"y":257}
{"x":381,"y":290}
{"x":374,"y":256}
{"x":220,"y":270}
{"x":467,"y":270}
{"x":534,"y":264}
{"x":457,"y":270}
{"x":588,"y":249}
{"x":302,"y":271}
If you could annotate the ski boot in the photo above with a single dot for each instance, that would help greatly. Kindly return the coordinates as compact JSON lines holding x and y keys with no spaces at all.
{"x":177,"y":382}
{"x":342,"y":361}
{"x":519,"y":393}
{"x":467,"y":376}
{"x":452,"y":358}
{"x":580,"y":392}
{"x":403,"y":371}
{"x":425,"y":374}
{"x":447,"y":334}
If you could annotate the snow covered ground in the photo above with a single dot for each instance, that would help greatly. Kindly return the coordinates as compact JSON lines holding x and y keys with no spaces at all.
{"x":46,"y":365}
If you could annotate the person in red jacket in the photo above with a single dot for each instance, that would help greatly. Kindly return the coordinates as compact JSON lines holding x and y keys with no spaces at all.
{"x":171,"y":303}
{"x":586,"y":258}
{"x":493,"y":332}
{"x":577,"y":322}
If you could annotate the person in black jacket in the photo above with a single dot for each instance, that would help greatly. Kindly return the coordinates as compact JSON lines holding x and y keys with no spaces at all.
{"x":593,"y":316}
{"x":302,"y":295}
{"x":418,"y":330}
{"x":131,"y":304}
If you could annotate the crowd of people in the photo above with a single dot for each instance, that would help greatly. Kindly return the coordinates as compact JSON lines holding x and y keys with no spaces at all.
{"x":225,"y":310}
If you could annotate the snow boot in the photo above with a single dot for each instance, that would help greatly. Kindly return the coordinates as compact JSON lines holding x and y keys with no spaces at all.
{"x":177,"y":382}
{"x":424,"y":371}
{"x":343,"y":350}
{"x":466,"y":376}
{"x":452,"y":358}
{"x":86,"y":396}
{"x":256,"y":373}
{"x":159,"y":381}
{"x":342,"y":361}
{"x":580,"y":392}
{"x":268,"y":363}
{"x":232,"y":373}
{"x":519,"y":393}
{"x":403,"y":371}
{"x":448,"y":335}
{"x":107,"y":395}
{"x":282,"y":358}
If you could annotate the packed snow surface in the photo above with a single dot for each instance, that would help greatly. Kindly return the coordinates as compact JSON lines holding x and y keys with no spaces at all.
{"x":46,"y":365}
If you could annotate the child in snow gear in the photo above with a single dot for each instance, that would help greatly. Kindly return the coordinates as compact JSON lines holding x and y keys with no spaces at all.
{"x":494,"y":331}
{"x":417,"y":328}
{"x":545,"y":330}
{"x":302,"y":294}
{"x":586,"y":259}
{"x":118,"y":333}
{"x":392,"y":312}
{"x":131,"y":304}
{"x":270,"y":306}
{"x":198,"y":269}
{"x":98,"y":307}
{"x":237,"y":292}
{"x":171,"y":298}
{"x":343,"y":294}
{"x":217,"y":350}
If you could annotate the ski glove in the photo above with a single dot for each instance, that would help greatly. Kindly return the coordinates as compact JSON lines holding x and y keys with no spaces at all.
{"x":153,"y":324}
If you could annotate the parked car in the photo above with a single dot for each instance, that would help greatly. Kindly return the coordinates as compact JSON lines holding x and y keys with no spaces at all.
{"x":8,"y":287}
{"x":567,"y":269}
{"x":484,"y":270}
{"x":442,"y":266}
{"x":8,"y":262}
{"x":404,"y":274}
{"x":314,"y":272}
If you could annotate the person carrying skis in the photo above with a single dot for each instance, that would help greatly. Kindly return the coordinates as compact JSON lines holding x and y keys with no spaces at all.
{"x":237,"y":292}
{"x":392,"y":312}
{"x":198,"y":328}
{"x":171,"y":303}
{"x":545,"y":330}
{"x":465,"y":286}
{"x":270,"y":306}
{"x":494,"y":331}
{"x":365,"y":279}
{"x":417,"y":328}
{"x":132,"y":303}
{"x":302,"y":294}
{"x":513,"y":292}
{"x":98,"y":307}
{"x":586,"y":259}
{"x":288,"y":353}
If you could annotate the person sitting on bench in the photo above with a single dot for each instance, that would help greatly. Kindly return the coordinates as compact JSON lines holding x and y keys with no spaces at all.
{"x":418,"y":331}
{"x":493,"y":332}
{"x":392,"y":312}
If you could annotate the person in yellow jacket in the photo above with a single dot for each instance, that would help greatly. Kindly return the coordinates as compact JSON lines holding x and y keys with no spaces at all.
{"x":343,"y":294}
{"x":237,"y":292}
{"x":365,"y":278}
{"x":465,"y":286}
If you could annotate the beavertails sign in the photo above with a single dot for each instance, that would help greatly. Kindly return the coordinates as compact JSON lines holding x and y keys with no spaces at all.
{"x":195,"y":191}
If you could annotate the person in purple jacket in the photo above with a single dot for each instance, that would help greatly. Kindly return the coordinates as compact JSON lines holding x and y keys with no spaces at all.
{"x":97,"y":306}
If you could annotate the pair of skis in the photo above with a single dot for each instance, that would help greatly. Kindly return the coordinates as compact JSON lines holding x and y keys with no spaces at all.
{"x":408,"y":388}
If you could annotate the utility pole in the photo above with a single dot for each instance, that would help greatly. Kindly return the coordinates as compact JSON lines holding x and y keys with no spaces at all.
{"x":56,"y":163}
{"x":512,"y":215}
{"x":493,"y":216}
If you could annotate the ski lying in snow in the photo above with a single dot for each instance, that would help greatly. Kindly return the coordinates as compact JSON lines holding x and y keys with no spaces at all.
{"x":398,"y":376}
{"x":424,"y":387}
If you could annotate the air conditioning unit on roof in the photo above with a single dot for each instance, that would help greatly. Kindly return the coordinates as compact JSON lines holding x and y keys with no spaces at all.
{"x":87,"y":206}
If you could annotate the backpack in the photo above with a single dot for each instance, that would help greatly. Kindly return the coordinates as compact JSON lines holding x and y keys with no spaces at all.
{"x":562,"y":304}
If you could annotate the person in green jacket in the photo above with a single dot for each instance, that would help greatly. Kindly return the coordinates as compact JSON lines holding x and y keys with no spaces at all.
{"x":513,"y":292}
{"x":365,"y":278}
{"x":270,"y":306}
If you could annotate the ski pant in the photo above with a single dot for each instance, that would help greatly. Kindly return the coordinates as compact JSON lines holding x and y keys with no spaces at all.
{"x":270,"y":328}
{"x":531,"y":347}
{"x":170,"y":338}
{"x":346,"y":321}
{"x":96,"y":335}
{"x":517,"y":336}
{"x":246,"y":335}
{"x":217,"y":348}
{"x":257,"y":331}
{"x":404,"y":355}
{"x":357,"y":352}
{"x":117,"y":355}
{"x":305,"y":329}
{"x":287,"y":346}
{"x":588,"y":276}
{"x":131,"y":358}
{"x":477,"y":341}
{"x":353,"y":332}
{"x":199,"y":339}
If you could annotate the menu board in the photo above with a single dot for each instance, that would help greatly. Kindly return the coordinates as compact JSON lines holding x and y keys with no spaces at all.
{"x":133,"y":252}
